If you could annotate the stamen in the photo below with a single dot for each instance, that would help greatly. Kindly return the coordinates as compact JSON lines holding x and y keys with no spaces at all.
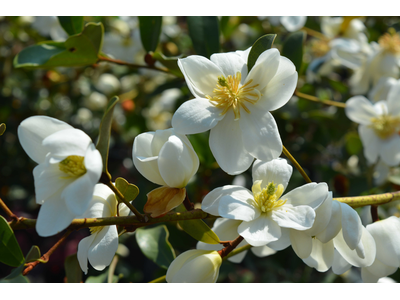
{"x":73,"y":165}
{"x":385,"y":125}
{"x":267,"y":199}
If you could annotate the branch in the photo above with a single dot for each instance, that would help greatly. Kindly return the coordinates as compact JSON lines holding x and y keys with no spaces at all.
{"x":124,"y":63}
{"x":379,"y":199}
{"x":314,"y":33}
{"x":315,"y":99}
{"x":230,"y":247}
{"x":296,"y":164}
{"x":237,"y":251}
{"x":7,"y":210}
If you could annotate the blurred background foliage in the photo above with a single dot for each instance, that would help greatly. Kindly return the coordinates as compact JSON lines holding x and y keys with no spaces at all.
{"x":320,"y":137}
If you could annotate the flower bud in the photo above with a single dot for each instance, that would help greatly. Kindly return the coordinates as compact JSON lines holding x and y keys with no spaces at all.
{"x":195,"y":266}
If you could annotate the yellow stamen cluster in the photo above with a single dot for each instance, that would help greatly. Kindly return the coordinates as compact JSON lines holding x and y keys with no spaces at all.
{"x":390,"y":42}
{"x":385,"y":125}
{"x":229,"y":93}
{"x":320,"y":47}
{"x":73,"y":165}
{"x":95,"y":229}
{"x":268,"y":198}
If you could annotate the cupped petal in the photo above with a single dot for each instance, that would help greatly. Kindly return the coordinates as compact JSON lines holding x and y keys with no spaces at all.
{"x":230,"y":63}
{"x":283,"y":242}
{"x":377,"y":270}
{"x":368,"y":277}
{"x":334,"y":225}
{"x":322,"y":216}
{"x":83,"y":249}
{"x":93,"y":163}
{"x":371,"y":142}
{"x":239,"y":205}
{"x":301,"y":243}
{"x":201,"y":74}
{"x":390,"y":151}
{"x":159,"y":139}
{"x":352,"y":228}
{"x":195,"y":116}
{"x":163,"y":199}
{"x":281,"y":87}
{"x":54,"y":216}
{"x":33,"y":130}
{"x":297,"y":217}
{"x":393,"y":98}
{"x":103,"y":248}
{"x":311,"y":194}
{"x":381,"y":89}
{"x":321,"y":257}
{"x":277,"y":171}
{"x":67,"y":142}
{"x":260,"y":134}
{"x":227,"y":143}
{"x":339,"y":264}
{"x":260,"y":231}
{"x":360,"y":110}
{"x":211,"y":201}
{"x":262,"y":251}
{"x":175,"y":155}
{"x":293,"y":23}
{"x":265,"y":68}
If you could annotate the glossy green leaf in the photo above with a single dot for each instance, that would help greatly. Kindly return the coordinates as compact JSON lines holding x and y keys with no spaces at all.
{"x":293,"y":48}
{"x":73,"y":271}
{"x":78,"y":50}
{"x":10,"y":252}
{"x":33,"y":254}
{"x":204,"y":32}
{"x":170,"y":62}
{"x":155,"y":245}
{"x":103,"y":142}
{"x":72,"y":25}
{"x":2,"y":128}
{"x":262,"y":44}
{"x":129,"y":190}
{"x":150,"y":29}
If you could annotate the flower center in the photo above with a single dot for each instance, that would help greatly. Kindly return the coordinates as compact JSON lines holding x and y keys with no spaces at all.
{"x":385,"y":125}
{"x":267,"y":199}
{"x":95,"y":229}
{"x":390,"y":42}
{"x":229,"y":93}
{"x":320,"y":47}
{"x":73,"y":165}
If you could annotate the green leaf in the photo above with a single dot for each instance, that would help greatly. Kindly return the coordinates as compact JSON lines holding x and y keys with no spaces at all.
{"x":72,"y":25}
{"x":150,"y":29}
{"x":129,"y":190}
{"x":17,"y":279}
{"x":262,"y":44}
{"x":2,"y":128}
{"x":105,"y":131}
{"x":170,"y":62}
{"x":155,"y":245}
{"x":78,"y":50}
{"x":33,"y":254}
{"x":10,"y":252}
{"x":102,"y":278}
{"x":73,"y":271}
{"x":353,"y":143}
{"x":293,"y":48}
{"x":204,"y":32}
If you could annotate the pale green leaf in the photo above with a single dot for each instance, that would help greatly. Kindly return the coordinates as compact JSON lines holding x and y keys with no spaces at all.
{"x":10,"y":252}
{"x":129,"y":190}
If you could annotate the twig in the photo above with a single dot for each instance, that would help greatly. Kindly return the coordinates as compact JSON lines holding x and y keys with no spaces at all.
{"x":8,"y":211}
{"x":230,"y":247}
{"x":315,"y":99}
{"x":187,"y":203}
{"x":296,"y":164}
{"x":159,"y":279}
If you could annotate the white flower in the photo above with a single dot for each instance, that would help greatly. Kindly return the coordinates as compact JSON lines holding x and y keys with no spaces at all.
{"x":227,"y":230}
{"x":332,"y":27}
{"x":379,"y":126}
{"x":50,"y":26}
{"x":168,"y":159}
{"x":195,"y":266}
{"x":291,"y":23}
{"x":69,"y":168}
{"x":235,"y":105}
{"x":100,"y":247}
{"x":264,"y":211}
{"x":381,"y":89}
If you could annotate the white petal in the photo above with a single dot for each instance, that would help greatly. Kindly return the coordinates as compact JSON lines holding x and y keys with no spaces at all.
{"x":371,"y":143}
{"x":393,"y":99}
{"x":380,"y":270}
{"x":351,"y":226}
{"x":311,"y":194}
{"x":281,"y":87}
{"x":54,"y":216}
{"x":301,"y":243}
{"x":283,"y":242}
{"x":390,"y":151}
{"x":226,"y":144}
{"x":293,"y":23}
{"x":300,"y":217}
{"x":83,"y":249}
{"x":93,"y":163}
{"x":321,"y":257}
{"x":230,"y":63}
{"x":381,"y":90}
{"x":195,"y":116}
{"x":260,"y":134}
{"x":201,"y":74}
{"x":67,"y":142}
{"x":368,"y":277}
{"x":360,"y":110}
{"x":262,"y":251}
{"x":277,"y":171}
{"x":33,"y":130}
{"x":210,"y":202}
{"x":265,"y":68}
{"x":260,"y":231}
{"x":334,"y":225}
{"x":339,"y":265}
{"x":322,"y":216}
{"x":103,"y":247}
{"x":239,"y":205}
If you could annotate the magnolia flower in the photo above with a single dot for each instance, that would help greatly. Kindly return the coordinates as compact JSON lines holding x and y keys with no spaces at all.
{"x":291,"y":23}
{"x":195,"y":266}
{"x":381,"y":89}
{"x":352,"y":28}
{"x":227,"y":230}
{"x":235,"y":105}
{"x":379,"y":126}
{"x":100,"y":247}
{"x":69,"y":166}
{"x":168,"y":159}
{"x":266,"y":211}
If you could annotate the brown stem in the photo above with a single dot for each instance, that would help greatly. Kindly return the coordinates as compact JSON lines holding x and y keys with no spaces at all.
{"x":8,"y":211}
{"x":187,"y":203}
{"x":230,"y":246}
{"x":374,"y":213}
{"x":296,"y":164}
{"x":45,"y":258}
{"x":315,"y":99}
{"x":124,"y":63}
